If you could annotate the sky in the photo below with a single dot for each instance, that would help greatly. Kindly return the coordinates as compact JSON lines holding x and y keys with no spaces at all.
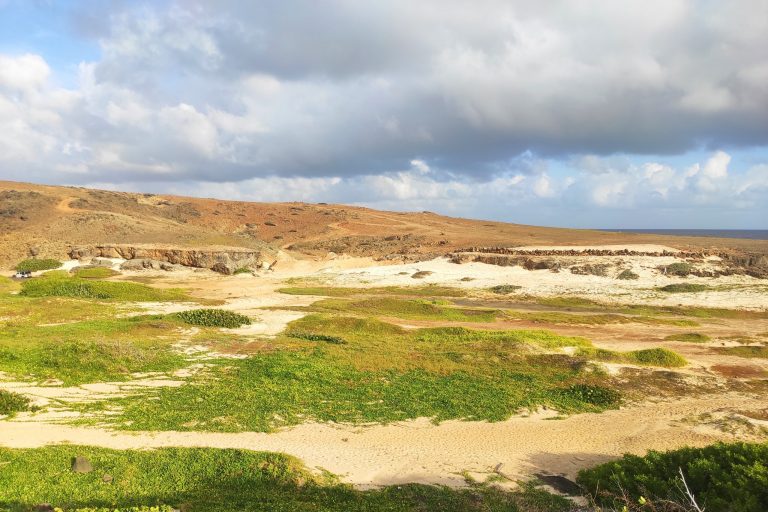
{"x":583,"y":113}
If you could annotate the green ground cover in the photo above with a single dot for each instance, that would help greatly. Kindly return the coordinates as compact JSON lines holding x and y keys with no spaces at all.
{"x":578,"y":303}
{"x":60,"y":284}
{"x":660,"y":357}
{"x":690,"y":337}
{"x":415,"y":309}
{"x":419,"y":291}
{"x":89,"y":351}
{"x":380,"y":373}
{"x":684,"y":288}
{"x":94,"y":272}
{"x":749,"y":351}
{"x":211,"y":480}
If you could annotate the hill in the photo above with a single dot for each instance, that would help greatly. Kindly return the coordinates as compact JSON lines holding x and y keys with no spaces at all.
{"x":50,"y":220}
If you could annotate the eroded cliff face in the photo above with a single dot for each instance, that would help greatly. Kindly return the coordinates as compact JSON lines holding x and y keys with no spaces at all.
{"x":225,"y":260}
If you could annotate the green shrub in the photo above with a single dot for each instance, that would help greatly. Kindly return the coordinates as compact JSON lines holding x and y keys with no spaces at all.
{"x":214,"y":318}
{"x":242,"y":270}
{"x":691,"y":337}
{"x":11,"y":403}
{"x":94,"y":272}
{"x":627,"y":275}
{"x":336,"y":340}
{"x":505,"y":289}
{"x":678,"y":269}
{"x":33,"y":265}
{"x":595,"y":395}
{"x":724,"y":477}
{"x":684,"y":288}
{"x":656,"y":357}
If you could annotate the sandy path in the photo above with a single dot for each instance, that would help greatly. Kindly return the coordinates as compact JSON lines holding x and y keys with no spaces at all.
{"x":418,"y":451}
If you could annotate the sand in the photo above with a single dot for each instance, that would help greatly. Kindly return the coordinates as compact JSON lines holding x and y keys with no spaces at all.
{"x":419,"y":451}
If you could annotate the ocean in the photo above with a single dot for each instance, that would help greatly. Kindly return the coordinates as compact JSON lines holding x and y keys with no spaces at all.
{"x":753,"y":234}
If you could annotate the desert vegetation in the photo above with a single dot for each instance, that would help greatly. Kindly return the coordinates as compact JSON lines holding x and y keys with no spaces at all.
{"x":35,"y":265}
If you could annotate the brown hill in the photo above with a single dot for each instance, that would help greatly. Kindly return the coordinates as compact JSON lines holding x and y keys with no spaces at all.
{"x":51,"y":219}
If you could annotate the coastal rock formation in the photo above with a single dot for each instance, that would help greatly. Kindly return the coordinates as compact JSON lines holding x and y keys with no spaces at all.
{"x":225,"y":260}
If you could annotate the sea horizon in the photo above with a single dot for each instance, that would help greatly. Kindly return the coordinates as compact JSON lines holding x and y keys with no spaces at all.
{"x":752,"y":234}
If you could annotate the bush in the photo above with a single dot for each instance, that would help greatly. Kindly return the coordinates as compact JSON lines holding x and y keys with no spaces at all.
{"x":657,"y":357}
{"x":34,"y":265}
{"x":684,"y":288}
{"x":11,"y":403}
{"x":505,"y":289}
{"x":627,"y":275}
{"x":336,"y":340}
{"x":242,"y":270}
{"x":214,"y":318}
{"x":677,"y":269}
{"x":692,"y":337}
{"x":732,"y":477}
{"x":595,"y":395}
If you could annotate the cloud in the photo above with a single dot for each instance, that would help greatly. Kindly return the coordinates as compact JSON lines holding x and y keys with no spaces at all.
{"x":429,"y":102}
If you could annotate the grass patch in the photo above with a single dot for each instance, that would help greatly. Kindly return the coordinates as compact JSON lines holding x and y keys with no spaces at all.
{"x":418,"y":291}
{"x":35,"y":265}
{"x":214,"y":480}
{"x":408,"y":309}
{"x":690,"y":337}
{"x":8,"y":285}
{"x":684,"y":288}
{"x":213,"y":318}
{"x":56,"y":285}
{"x":94,"y":272}
{"x":661,"y":357}
{"x":382,"y":373}
{"x":729,"y":477}
{"x":656,"y":357}
{"x":242,"y":270}
{"x":89,"y":351}
{"x":505,"y":289}
{"x":11,"y":403}
{"x":750,"y":351}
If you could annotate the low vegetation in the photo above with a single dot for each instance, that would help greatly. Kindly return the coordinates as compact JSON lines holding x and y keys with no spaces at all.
{"x":416,"y":309}
{"x":214,"y":318}
{"x":34,"y":265}
{"x":213,"y":480}
{"x":680,"y":269}
{"x":382,"y":373}
{"x":627,"y":275}
{"x":419,"y":291}
{"x":94,"y":272}
{"x":749,"y":351}
{"x":731,"y":477}
{"x":690,"y":337}
{"x":505,"y":289}
{"x":11,"y":403}
{"x":558,"y":317}
{"x":57,"y":284}
{"x":684,"y":288}
{"x":660,"y":357}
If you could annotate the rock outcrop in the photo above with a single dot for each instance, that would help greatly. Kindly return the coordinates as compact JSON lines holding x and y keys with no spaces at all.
{"x":225,"y":260}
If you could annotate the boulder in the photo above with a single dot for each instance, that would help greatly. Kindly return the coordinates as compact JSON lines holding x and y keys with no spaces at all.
{"x":81,"y":464}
